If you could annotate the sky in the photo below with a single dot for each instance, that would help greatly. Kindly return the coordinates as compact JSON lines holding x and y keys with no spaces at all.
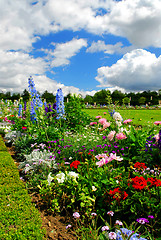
{"x":81,"y":46}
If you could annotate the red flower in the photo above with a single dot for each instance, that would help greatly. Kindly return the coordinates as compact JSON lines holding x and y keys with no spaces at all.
{"x":24,"y":128}
{"x":154,"y":182}
{"x":75,"y":164}
{"x":140,"y":166}
{"x":139,"y":182}
{"x":118,"y":194}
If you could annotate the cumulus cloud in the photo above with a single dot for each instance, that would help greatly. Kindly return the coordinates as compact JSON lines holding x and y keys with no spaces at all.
{"x":138,"y":70}
{"x":17,"y":67}
{"x":22,"y":22}
{"x":64,"y":51}
{"x":110,"y":49}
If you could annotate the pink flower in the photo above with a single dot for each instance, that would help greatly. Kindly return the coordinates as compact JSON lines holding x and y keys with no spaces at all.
{"x":98,"y":116}
{"x":111,"y":213}
{"x":120,"y":136}
{"x":76,"y":215}
{"x":102,"y":121}
{"x":156,"y":137}
{"x":112,"y":235}
{"x":104,"y":113}
{"x":157,"y":122}
{"x":114,"y":157}
{"x":104,"y":159}
{"x":111,"y":135}
{"x":93,"y":123}
{"x":127,"y":121}
{"x":106,"y":124}
{"x":105,"y":228}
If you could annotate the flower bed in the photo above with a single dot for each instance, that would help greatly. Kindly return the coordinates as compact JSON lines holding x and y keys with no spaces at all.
{"x":104,"y":175}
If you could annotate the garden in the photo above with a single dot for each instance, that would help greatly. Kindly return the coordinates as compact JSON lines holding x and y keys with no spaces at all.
{"x":101,"y":170}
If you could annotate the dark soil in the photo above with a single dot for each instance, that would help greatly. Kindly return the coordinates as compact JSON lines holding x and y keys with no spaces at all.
{"x":55,"y":225}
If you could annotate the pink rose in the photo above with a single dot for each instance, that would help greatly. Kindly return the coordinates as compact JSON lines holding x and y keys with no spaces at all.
{"x":127,"y":121}
{"x":98,"y":116}
{"x":120,"y":136}
{"x":111,"y":135}
{"x":102,"y":121}
{"x":157,"y":122}
{"x":106,"y":124}
{"x":92,"y":123}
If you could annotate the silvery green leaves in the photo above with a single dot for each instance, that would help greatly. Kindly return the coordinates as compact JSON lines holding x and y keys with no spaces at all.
{"x":38,"y":158}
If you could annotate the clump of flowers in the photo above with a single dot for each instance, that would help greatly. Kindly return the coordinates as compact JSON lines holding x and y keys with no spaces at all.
{"x":139,"y":182}
{"x":120,"y":136}
{"x":118,"y":194}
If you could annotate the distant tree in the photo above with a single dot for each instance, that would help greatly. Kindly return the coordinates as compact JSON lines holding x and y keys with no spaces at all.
{"x":25,"y":95}
{"x":88,"y":99}
{"x":142,"y":100}
{"x":7,"y":96}
{"x":49,"y":97}
{"x":117,"y":96}
{"x":100,"y":96}
{"x":126,"y":100}
{"x":15,"y":96}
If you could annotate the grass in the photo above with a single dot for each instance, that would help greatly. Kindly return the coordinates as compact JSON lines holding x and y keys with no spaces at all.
{"x":139,"y":117}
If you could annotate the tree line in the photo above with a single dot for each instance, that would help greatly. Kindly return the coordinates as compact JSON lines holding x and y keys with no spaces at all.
{"x":102,"y":97}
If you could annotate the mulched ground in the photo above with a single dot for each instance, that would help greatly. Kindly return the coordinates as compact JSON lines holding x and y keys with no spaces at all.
{"x":55,"y":225}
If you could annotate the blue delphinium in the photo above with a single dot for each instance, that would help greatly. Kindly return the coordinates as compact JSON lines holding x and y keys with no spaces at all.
{"x":20,"y":110}
{"x":36,"y":101}
{"x":32,"y":113}
{"x":60,"y":104}
{"x":34,"y":95}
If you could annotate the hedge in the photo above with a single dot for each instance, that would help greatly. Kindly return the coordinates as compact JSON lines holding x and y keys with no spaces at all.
{"x":19,"y":219}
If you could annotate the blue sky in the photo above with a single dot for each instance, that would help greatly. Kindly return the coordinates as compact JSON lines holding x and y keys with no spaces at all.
{"x":82,"y":46}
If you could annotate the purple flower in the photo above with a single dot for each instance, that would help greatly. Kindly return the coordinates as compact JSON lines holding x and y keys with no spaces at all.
{"x":150,"y":216}
{"x":142,"y":220}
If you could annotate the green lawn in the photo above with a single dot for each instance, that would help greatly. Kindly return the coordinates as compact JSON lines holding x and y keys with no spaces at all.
{"x":139,"y":117}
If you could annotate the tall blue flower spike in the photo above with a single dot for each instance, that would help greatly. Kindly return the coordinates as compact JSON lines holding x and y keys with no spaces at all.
{"x":36,"y":101}
{"x":34,"y":95}
{"x":20,"y":110}
{"x":60,"y":104}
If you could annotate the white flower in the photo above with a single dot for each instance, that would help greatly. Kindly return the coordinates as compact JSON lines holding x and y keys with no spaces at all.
{"x":117,"y":116}
{"x":60,"y":177}
{"x":50,"y":178}
{"x":73,"y":175}
{"x":94,"y":188}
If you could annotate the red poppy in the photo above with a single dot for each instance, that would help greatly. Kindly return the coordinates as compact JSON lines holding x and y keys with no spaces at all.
{"x":24,"y":128}
{"x":75,"y":164}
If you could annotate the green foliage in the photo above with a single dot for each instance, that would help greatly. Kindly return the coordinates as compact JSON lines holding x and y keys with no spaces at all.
{"x":75,"y":118}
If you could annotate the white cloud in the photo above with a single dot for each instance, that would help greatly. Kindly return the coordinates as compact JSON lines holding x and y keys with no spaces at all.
{"x":64,"y":51}
{"x":109,"y":48}
{"x":137,"y":70}
{"x":138,"y":20}
{"x":21,"y":22}
{"x":17,"y":67}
